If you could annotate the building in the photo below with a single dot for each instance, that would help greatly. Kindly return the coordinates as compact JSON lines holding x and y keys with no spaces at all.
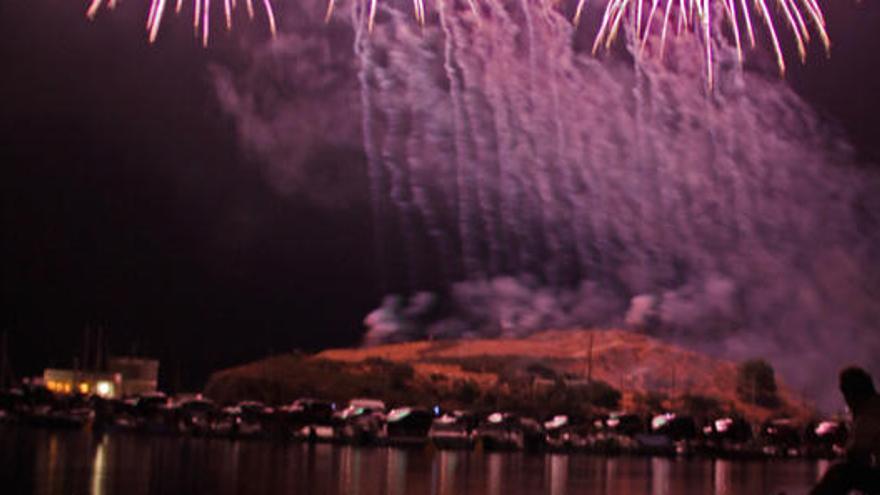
{"x":139,"y":375}
{"x":104,"y":384}
{"x":125,"y":376}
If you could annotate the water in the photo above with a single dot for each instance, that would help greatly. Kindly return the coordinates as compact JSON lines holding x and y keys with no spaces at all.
{"x":47,"y":463}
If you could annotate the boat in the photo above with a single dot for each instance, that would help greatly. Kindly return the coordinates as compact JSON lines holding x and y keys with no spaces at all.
{"x":564,"y":433}
{"x":780,"y":438}
{"x":616,"y":433}
{"x":361,"y":422}
{"x":195,"y":416}
{"x":670,"y":434}
{"x":509,"y":431}
{"x":308,"y":419}
{"x":454,"y":430}
{"x":407,"y":427}
{"x":728,"y":437}
{"x":825,"y":439}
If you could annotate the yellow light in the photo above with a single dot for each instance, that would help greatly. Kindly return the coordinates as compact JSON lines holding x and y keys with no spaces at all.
{"x":105,"y":389}
{"x":83,"y":388}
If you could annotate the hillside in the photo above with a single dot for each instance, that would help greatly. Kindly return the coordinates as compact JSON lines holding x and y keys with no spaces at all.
{"x":539,"y":374}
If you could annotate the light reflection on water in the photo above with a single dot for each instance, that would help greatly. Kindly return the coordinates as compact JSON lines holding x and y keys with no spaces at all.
{"x":99,"y":469}
{"x":55,"y":463}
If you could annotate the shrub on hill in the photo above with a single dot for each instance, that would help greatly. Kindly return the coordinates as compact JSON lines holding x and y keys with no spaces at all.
{"x":756,"y":383}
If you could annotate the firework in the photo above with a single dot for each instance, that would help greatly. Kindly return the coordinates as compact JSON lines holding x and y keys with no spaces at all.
{"x":645,"y":17}
{"x":201,"y":15}
{"x":697,"y":16}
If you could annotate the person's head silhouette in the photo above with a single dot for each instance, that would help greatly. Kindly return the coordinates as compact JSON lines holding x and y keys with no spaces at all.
{"x":856,"y":386}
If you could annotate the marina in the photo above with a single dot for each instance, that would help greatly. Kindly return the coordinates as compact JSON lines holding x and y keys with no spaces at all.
{"x":367,"y":422}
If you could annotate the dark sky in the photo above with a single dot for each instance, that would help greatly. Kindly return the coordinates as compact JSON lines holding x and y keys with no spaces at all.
{"x":127,"y":203}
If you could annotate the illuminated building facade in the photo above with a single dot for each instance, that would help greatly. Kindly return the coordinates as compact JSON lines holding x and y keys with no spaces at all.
{"x":125,"y":376}
{"x":103,"y":384}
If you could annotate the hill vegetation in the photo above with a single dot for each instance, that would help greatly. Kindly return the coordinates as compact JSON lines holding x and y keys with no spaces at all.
{"x":577,"y":371}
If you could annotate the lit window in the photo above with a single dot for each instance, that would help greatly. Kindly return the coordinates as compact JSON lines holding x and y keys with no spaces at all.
{"x":83,"y":388}
{"x":105,"y":389}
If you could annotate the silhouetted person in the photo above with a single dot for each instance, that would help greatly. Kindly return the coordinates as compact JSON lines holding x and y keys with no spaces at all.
{"x":860,"y":471}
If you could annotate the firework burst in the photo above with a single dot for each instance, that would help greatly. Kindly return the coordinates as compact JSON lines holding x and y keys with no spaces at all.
{"x":201,"y":15}
{"x":697,"y":16}
{"x":646,"y":17}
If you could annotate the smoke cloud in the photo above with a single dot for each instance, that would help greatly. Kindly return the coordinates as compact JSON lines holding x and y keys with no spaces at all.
{"x":295,"y":101}
{"x":546,"y":188}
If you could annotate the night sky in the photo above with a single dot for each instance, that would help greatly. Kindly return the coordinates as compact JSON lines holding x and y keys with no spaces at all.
{"x":127,"y":203}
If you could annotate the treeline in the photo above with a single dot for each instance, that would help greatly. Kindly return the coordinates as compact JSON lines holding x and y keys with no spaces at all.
{"x":530,"y":388}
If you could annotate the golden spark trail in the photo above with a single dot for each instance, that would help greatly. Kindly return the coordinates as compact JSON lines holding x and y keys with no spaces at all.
{"x":421,"y":4}
{"x":615,"y":25}
{"x":800,"y":20}
{"x":270,"y":14}
{"x":579,"y":11}
{"x":330,"y":6}
{"x":794,"y":29}
{"x":648,"y":25}
{"x":814,"y":6}
{"x":206,"y":22}
{"x":780,"y":61}
{"x":747,"y":16}
{"x":152,"y":16}
{"x":372,"y":18}
{"x":682,"y":17}
{"x":93,"y":9}
{"x":638,"y":17}
{"x":730,"y":7}
{"x":417,"y":13}
{"x":605,"y":17}
{"x":665,"y":25}
{"x":819,"y":21}
{"x":157,"y":21}
{"x":708,"y":42}
{"x":196,"y":16}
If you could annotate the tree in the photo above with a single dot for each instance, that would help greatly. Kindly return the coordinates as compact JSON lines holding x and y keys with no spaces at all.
{"x":653,"y":401}
{"x":701,"y":406}
{"x":467,"y":392}
{"x":399,"y":375}
{"x":756,"y":383}
{"x":602,"y":394}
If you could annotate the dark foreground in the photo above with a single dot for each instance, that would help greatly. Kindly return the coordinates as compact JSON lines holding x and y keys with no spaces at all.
{"x":39,"y":461}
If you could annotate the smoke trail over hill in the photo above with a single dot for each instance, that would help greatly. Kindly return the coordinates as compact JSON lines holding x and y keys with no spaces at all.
{"x":552,"y":189}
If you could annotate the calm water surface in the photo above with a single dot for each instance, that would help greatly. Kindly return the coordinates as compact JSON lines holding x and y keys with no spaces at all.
{"x":46,"y":462}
